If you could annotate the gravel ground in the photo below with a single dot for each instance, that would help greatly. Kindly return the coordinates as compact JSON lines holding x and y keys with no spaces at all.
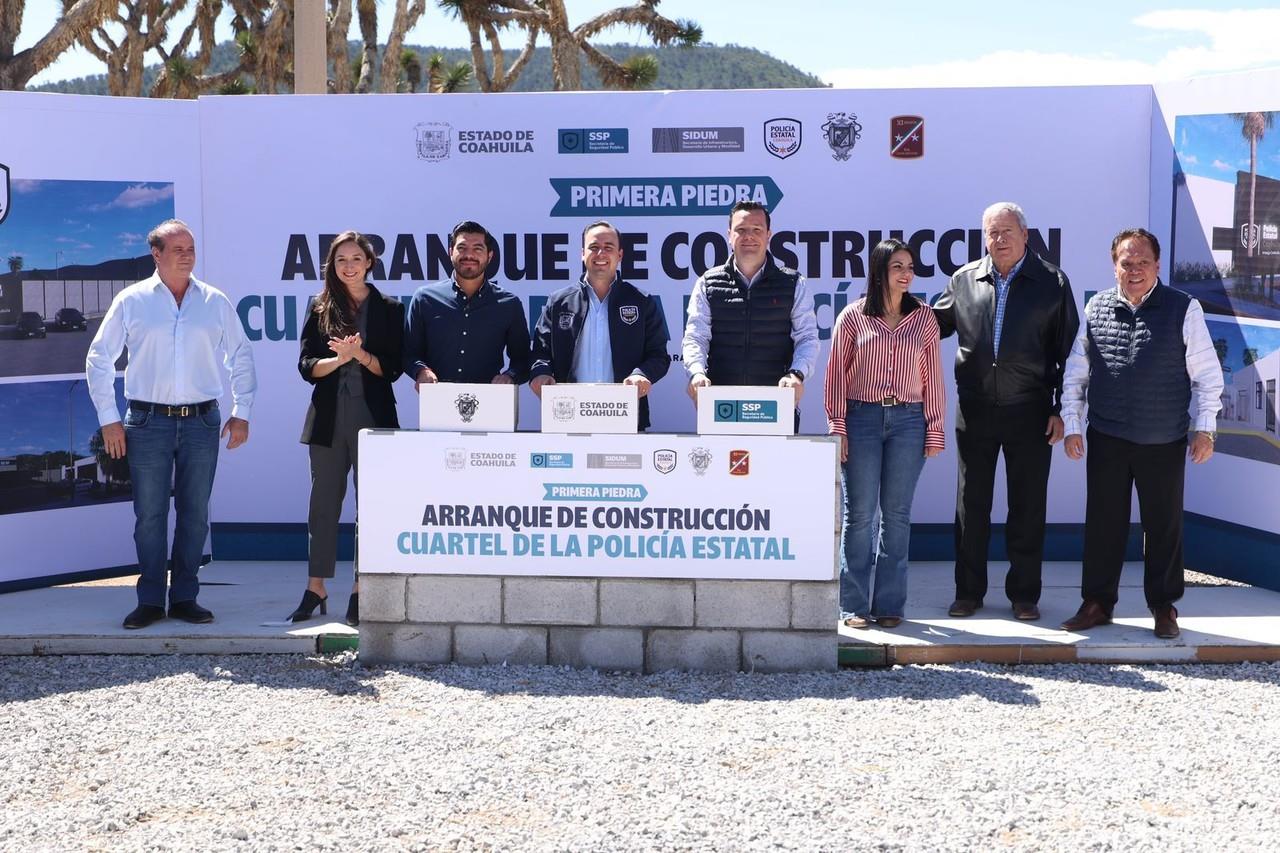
{"x":296,"y":753}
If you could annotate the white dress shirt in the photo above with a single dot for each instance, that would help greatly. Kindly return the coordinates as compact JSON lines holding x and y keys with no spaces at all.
{"x":1202,"y":366}
{"x":173,"y":350}
{"x":804,"y":327}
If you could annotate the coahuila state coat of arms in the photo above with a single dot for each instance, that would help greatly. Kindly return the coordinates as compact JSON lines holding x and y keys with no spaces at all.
{"x":842,"y":132}
{"x":467,"y":405}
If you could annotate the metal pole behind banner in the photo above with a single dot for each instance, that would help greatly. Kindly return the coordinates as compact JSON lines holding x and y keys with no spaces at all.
{"x":310,"y":75}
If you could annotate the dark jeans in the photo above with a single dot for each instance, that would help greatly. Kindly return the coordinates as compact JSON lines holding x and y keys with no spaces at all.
{"x":982,"y":433}
{"x":1114,"y":467}
{"x":179,"y":455}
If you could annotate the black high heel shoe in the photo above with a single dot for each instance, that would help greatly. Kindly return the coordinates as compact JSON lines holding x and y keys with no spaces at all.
{"x":353,"y":610}
{"x":308,"y":606}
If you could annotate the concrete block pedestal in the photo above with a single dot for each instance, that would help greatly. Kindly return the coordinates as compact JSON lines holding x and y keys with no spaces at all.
{"x":610,"y":624}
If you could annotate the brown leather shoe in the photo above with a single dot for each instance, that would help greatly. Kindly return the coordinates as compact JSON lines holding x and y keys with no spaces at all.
{"x":963,"y":607}
{"x":1027,"y":611}
{"x":888,"y":621}
{"x":1090,"y":615}
{"x":1166,"y":622}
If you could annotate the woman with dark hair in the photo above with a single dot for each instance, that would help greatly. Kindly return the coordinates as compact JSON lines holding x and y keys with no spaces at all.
{"x":351,"y":352}
{"x":884,"y":398}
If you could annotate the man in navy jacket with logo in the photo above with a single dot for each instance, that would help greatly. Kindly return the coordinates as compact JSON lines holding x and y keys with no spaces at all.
{"x":601,"y":329}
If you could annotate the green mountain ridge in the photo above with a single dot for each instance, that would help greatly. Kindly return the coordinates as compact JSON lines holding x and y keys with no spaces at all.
{"x":704,"y":66}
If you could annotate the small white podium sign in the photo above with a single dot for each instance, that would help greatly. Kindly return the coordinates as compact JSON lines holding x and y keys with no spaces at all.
{"x":466,"y":407}
{"x":590,"y":407}
{"x":746,"y":410}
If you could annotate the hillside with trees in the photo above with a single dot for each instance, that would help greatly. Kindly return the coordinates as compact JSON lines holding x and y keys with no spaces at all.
{"x":704,"y":66}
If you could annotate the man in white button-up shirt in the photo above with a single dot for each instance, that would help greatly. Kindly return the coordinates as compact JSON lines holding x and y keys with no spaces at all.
{"x":1144,"y":363}
{"x":181,"y":335}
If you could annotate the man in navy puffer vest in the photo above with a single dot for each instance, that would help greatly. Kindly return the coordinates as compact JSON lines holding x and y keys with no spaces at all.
{"x":751,"y":321}
{"x":1145,"y":365}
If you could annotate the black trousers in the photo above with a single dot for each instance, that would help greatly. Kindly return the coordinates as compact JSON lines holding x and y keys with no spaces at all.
{"x":982,"y":433}
{"x":1114,"y":467}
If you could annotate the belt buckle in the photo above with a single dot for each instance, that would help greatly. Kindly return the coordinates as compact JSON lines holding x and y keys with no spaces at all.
{"x":889,"y":401}
{"x":182,"y":411}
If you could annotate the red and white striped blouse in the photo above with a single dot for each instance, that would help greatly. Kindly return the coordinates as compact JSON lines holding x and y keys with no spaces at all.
{"x":869,"y":361}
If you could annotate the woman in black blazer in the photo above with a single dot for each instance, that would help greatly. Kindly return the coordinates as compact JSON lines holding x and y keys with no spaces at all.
{"x":351,"y":342}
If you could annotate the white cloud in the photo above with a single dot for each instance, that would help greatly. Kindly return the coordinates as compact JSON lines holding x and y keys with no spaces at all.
{"x":24,"y":185}
{"x":1237,"y":40}
{"x":1221,"y":166}
{"x":1189,"y":159}
{"x":138,"y":195}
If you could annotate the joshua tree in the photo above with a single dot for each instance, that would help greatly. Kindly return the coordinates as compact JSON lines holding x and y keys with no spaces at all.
{"x":411,"y":70}
{"x":79,"y":17}
{"x":15,"y":263}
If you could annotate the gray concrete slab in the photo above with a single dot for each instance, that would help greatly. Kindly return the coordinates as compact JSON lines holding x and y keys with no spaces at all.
{"x":1218,"y":623}
{"x":86,"y":618}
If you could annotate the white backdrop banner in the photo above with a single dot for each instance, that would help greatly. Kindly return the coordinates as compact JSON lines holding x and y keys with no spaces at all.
{"x":840,"y":170}
{"x":650,"y":506}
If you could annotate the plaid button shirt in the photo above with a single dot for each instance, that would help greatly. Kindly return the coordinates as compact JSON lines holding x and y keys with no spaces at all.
{"x":1002,"y":296}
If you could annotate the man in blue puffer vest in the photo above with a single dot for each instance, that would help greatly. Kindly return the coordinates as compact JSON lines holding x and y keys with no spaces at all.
{"x":602,"y":329}
{"x":1142,"y":361}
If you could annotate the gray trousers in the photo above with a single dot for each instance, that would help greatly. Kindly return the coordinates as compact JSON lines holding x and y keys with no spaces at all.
{"x":329,"y":467}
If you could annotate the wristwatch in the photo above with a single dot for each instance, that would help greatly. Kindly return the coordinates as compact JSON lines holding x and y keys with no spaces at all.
{"x":1212,"y":435}
{"x":797,"y":374}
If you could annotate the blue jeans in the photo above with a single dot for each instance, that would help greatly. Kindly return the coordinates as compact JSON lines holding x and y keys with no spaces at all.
{"x":886,"y":455}
{"x":170,"y":454}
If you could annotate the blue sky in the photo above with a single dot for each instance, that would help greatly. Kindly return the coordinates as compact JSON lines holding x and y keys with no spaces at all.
{"x":1265,"y":339}
{"x":33,"y":416}
{"x":926,"y":43}
{"x":58,"y":223}
{"x":1211,"y":146}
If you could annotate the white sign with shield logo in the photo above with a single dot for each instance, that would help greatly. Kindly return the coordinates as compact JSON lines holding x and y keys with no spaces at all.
{"x":466,"y":407}
{"x":746,"y":410}
{"x":590,"y":407}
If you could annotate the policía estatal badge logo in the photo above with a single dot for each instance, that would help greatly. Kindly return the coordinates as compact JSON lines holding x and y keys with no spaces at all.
{"x":700,"y":459}
{"x":664,"y":461}
{"x":842,"y":132}
{"x":628,"y":314}
{"x":4,"y":191}
{"x":906,"y":137}
{"x":563,"y":408}
{"x":782,"y":137}
{"x":467,"y":405}
{"x":434,"y":139}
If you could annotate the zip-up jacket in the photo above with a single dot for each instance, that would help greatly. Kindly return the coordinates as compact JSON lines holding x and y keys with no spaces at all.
{"x":1040,"y":325}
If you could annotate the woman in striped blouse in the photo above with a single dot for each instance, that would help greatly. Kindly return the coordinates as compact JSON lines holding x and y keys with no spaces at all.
{"x":884,"y":398}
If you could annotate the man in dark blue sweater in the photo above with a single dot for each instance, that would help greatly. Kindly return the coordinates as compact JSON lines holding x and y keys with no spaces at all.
{"x":601,"y":329}
{"x":1142,"y":357}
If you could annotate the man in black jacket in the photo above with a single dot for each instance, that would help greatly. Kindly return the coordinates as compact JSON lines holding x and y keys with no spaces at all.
{"x":602,"y":329}
{"x":1016,"y":321}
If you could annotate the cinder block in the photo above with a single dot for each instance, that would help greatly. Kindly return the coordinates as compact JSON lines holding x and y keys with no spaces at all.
{"x":742,"y":604}
{"x":382,"y":598}
{"x":598,"y":648}
{"x":646,"y":603}
{"x":549,"y":601}
{"x":404,"y":643}
{"x":452,"y":598}
{"x":705,"y":651}
{"x":814,"y":606}
{"x":482,"y":645}
{"x":789,"y":651}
